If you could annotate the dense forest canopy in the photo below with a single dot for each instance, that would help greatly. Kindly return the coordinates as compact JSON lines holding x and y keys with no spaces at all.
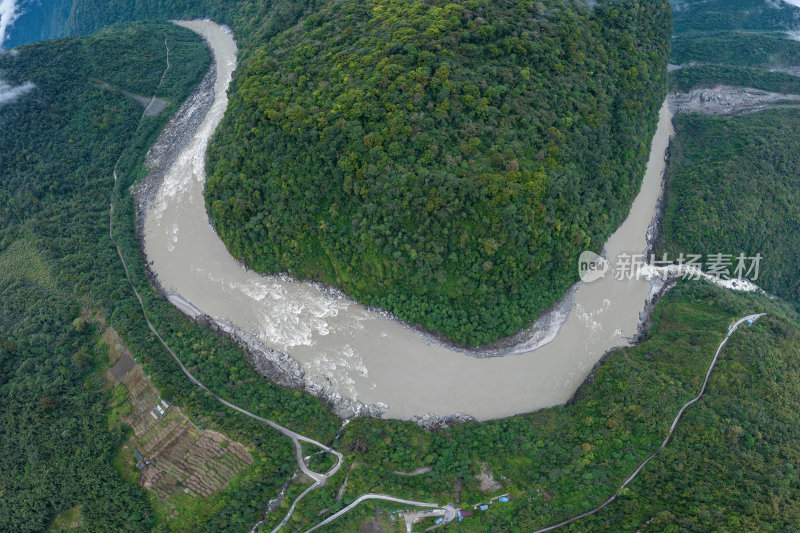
{"x":59,"y":146}
{"x":734,"y":186}
{"x":444,"y":161}
{"x":689,"y":78}
{"x":697,"y":16}
{"x":767,"y":61}
{"x":743,"y":49}
{"x":732,"y":465}
{"x":487,"y":208}
{"x":732,"y":182}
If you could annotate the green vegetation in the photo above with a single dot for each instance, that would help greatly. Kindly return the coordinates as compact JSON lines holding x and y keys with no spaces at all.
{"x":449,"y":164}
{"x":21,"y":262}
{"x":731,"y":465}
{"x":686,"y":79}
{"x":184,"y":512}
{"x":736,"y":49}
{"x":58,"y":148}
{"x":734,"y":186}
{"x":69,"y":520}
{"x":732,"y":183}
{"x":119,"y":405}
{"x":691,"y":16}
{"x":744,"y":59}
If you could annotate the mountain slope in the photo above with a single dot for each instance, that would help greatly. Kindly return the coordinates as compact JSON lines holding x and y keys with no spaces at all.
{"x":732,"y":182}
{"x":470,"y":228}
{"x":711,"y":15}
{"x":60,"y":144}
{"x":444,"y":161}
{"x":731,"y":464}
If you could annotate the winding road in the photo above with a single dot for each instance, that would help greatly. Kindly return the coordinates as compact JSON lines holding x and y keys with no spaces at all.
{"x":448,"y":512}
{"x":319,"y":479}
{"x":385,"y":498}
{"x":749,"y":319}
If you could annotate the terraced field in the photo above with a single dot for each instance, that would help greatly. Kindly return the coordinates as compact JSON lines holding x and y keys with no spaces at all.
{"x":168,"y":454}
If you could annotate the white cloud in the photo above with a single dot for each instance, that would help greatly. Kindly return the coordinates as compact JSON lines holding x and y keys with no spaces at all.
{"x":9,"y":94}
{"x":678,"y":5}
{"x":8,"y":14}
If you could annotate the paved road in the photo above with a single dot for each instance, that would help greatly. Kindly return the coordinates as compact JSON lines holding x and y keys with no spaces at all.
{"x":372,"y":497}
{"x":412,"y":517}
{"x":319,"y":479}
{"x":297,"y":438}
{"x":449,"y":516}
{"x":418,"y":472}
{"x":733,"y":328}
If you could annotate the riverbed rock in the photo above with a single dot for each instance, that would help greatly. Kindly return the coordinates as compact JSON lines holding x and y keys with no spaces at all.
{"x":726,"y":100}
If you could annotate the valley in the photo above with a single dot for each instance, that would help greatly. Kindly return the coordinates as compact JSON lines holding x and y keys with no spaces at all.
{"x":168,"y":276}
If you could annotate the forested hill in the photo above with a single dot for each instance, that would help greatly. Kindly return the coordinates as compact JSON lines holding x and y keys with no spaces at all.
{"x":58,"y":147}
{"x":444,"y":161}
{"x":732,"y":181}
{"x":61,"y":144}
{"x":692,"y":16}
{"x":252,"y":20}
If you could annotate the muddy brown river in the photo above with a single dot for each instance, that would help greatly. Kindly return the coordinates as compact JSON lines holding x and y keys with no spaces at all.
{"x":365,"y":355}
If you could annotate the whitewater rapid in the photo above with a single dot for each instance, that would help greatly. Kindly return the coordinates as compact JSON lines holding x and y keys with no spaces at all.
{"x":365,"y":355}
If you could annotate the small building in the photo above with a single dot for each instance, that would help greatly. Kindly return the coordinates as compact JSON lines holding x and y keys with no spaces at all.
{"x":512,"y":496}
{"x":484,"y":507}
{"x":502,"y":499}
{"x":439,"y":520}
{"x":137,"y":454}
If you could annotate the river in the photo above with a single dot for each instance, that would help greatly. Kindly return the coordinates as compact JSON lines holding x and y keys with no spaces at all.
{"x":365,"y":355}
